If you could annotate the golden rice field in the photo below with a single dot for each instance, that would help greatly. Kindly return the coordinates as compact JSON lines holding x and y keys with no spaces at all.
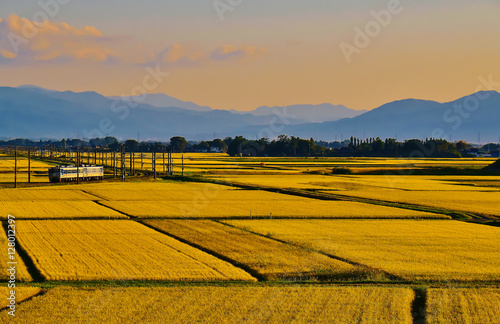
{"x":49,"y":193}
{"x":458,"y":305}
{"x":362,"y":182}
{"x":8,"y":178}
{"x":7,"y":164}
{"x":116,"y":250}
{"x":413,"y":250}
{"x":470,"y":201}
{"x":21,"y":272}
{"x":299,"y":208}
{"x":140,"y":187}
{"x":452,"y":193}
{"x":21,"y":294}
{"x":53,"y":209}
{"x":197,"y":249}
{"x":219,"y":305}
{"x":188,"y":192}
{"x":168,"y":199}
{"x":408,"y":183}
{"x":269,"y":258}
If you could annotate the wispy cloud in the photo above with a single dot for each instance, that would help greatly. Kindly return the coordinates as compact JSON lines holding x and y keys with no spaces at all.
{"x":180,"y":55}
{"x":175,"y":54}
{"x":230,"y":51}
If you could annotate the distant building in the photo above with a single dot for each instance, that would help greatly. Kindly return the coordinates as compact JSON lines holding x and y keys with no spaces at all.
{"x":214,"y":149}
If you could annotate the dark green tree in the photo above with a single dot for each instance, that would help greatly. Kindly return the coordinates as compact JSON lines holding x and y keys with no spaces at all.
{"x":131,"y":145}
{"x":178,"y":144}
{"x":236,"y":146}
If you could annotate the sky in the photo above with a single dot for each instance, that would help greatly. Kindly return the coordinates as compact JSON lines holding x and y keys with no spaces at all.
{"x":242,"y":54}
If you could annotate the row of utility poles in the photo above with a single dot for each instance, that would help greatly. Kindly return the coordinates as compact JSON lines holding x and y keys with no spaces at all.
{"x":117,"y":160}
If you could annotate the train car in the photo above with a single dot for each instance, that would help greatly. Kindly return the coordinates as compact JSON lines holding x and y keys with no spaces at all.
{"x":69,"y":173}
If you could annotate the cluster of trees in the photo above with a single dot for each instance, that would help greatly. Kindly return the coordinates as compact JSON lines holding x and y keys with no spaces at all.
{"x":176,"y":144}
{"x":409,"y":148}
{"x":295,"y":146}
{"x":282,"y":146}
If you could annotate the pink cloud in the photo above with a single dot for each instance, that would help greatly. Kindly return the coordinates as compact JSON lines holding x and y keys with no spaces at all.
{"x":24,"y":41}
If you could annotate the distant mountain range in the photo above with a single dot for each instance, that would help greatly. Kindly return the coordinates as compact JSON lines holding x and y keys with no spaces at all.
{"x":34,"y":112}
{"x":299,"y":114}
{"x":161,"y":100}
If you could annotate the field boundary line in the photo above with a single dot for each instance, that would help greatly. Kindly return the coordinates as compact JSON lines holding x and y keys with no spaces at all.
{"x":114,"y":209}
{"x":49,"y":284}
{"x":419,"y":305}
{"x":42,"y":292}
{"x":32,"y":269}
{"x":79,"y":218}
{"x":91,"y":194}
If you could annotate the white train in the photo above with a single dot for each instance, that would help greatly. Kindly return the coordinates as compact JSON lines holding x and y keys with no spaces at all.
{"x":69,"y":173}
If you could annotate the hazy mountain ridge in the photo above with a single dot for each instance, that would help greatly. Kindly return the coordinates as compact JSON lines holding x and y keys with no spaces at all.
{"x":413,"y":118}
{"x":310,"y":113}
{"x":161,"y":100}
{"x":39,"y":113}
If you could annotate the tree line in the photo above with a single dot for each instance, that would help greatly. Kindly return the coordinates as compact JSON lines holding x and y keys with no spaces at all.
{"x":282,"y":146}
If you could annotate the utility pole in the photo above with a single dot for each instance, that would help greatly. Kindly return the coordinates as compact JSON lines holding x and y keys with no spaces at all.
{"x":122,"y":156}
{"x":29,"y":164}
{"x":154,"y":164}
{"x":170,"y":171}
{"x":172,"y":161}
{"x":131,"y":163}
{"x":78,"y":166}
{"x":113,"y":163}
{"x":15,"y":167}
{"x":182,"y":169}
